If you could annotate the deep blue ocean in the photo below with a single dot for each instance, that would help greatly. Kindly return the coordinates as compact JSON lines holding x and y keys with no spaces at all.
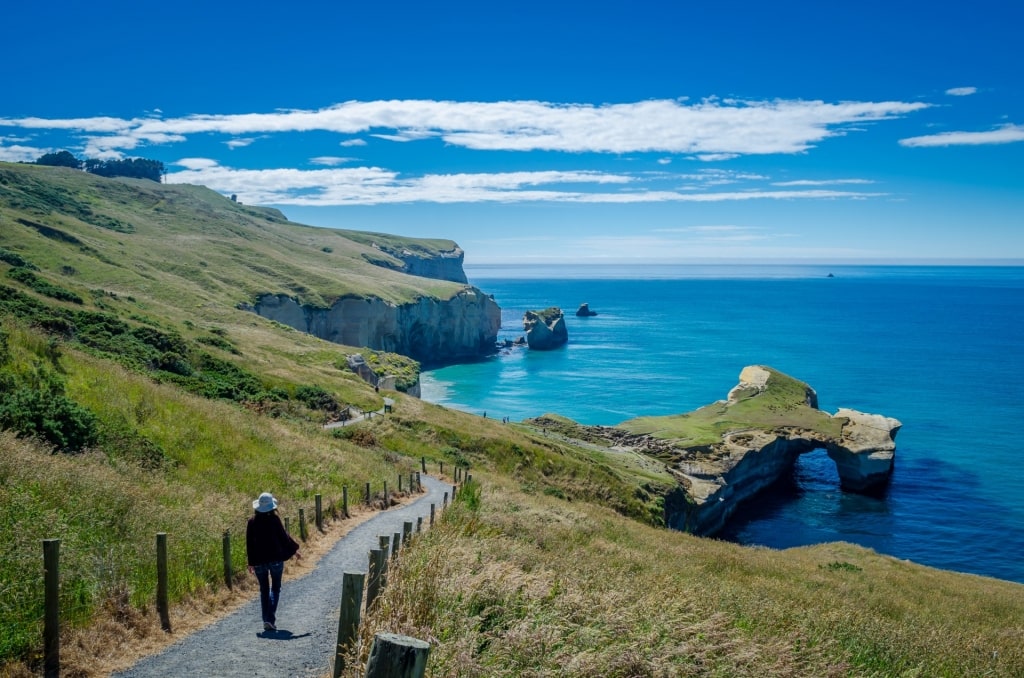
{"x":939,"y":348}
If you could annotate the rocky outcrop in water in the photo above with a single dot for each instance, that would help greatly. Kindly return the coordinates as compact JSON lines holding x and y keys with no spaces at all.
{"x":545,"y":330}
{"x":584,"y":311}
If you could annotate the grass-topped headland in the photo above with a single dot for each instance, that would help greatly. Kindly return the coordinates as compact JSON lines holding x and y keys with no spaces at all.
{"x":177,"y":407}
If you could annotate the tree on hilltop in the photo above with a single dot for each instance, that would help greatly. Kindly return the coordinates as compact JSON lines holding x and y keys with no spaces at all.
{"x":59,"y":159}
{"x":138,"y":168}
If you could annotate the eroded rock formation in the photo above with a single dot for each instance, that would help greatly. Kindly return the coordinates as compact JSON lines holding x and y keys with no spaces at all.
{"x":766,"y":422}
{"x":545,"y":329}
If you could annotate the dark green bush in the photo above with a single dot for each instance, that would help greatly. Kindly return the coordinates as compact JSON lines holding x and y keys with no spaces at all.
{"x":316,"y":398}
{"x":16,"y":260}
{"x":27,"y":277}
{"x":51,"y":416}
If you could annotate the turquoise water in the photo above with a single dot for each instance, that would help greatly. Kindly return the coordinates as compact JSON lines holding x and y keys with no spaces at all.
{"x":939,"y":348}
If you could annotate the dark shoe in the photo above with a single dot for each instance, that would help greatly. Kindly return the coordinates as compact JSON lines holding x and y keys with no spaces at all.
{"x":267,"y":626}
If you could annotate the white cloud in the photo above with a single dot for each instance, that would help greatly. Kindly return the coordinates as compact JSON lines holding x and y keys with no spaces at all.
{"x":961,"y":91}
{"x":17,"y":153}
{"x":721,"y":177}
{"x":1007,"y":134}
{"x":664,"y":161}
{"x":821,"y":182}
{"x":239,"y":143}
{"x":711,"y":129}
{"x":715,"y":157}
{"x":330,"y":160}
{"x":196,"y":163}
{"x":353,"y":142}
{"x":373,"y":186}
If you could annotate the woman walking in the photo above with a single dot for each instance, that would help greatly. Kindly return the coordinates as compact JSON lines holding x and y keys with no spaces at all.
{"x":267,"y":546}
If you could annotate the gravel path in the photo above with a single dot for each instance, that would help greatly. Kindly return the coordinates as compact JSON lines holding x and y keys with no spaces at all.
{"x":307,"y":618}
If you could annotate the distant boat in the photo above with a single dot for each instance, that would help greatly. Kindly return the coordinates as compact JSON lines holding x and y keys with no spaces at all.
{"x":830,"y":276}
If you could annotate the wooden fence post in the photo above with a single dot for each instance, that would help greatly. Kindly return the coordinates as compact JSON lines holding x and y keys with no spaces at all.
{"x":406,"y":531}
{"x":442,"y":468}
{"x":396,"y":544}
{"x":386,"y":502}
{"x":432,"y":509}
{"x":344,"y":502}
{"x":287,"y":524}
{"x":227,"y":558}
{"x":419,"y":482}
{"x":51,"y":615}
{"x":367,"y":502}
{"x":419,"y":523}
{"x":319,"y":512}
{"x":302,"y":524}
{"x":413,"y":485}
{"x":397,"y":656}
{"x":373,"y":587}
{"x":348,"y":617}
{"x":385,"y":547}
{"x":444,"y":502}
{"x":400,"y":482}
{"x":423,"y":464}
{"x":161,"y":581}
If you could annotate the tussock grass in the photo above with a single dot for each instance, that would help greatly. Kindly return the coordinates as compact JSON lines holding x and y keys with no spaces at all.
{"x":106,"y":509}
{"x":530,"y":586}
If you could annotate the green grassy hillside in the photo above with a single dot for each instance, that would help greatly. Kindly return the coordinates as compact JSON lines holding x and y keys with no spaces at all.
{"x":137,"y":398}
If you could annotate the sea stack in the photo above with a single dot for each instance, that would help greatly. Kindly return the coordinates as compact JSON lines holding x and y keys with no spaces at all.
{"x":545,"y":330}
{"x":584,"y":311}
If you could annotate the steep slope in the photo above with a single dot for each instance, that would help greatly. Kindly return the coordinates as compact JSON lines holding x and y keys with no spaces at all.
{"x":185,"y":251}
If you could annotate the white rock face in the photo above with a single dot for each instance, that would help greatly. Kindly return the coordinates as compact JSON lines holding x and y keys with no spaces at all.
{"x":864,"y":454}
{"x":429,"y":330}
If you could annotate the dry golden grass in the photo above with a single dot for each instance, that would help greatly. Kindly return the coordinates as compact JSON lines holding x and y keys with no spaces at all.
{"x":529,"y":586}
{"x":119,"y":632}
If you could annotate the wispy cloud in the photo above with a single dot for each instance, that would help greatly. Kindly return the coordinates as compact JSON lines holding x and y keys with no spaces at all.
{"x":821,"y":182}
{"x":961,"y":91}
{"x":710,"y":129}
{"x":352,"y":142}
{"x":1007,"y":134}
{"x":373,"y":186}
{"x":715,"y":157}
{"x":239,"y":143}
{"x":330,"y":160}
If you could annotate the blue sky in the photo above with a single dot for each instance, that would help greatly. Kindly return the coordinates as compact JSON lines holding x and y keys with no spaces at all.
{"x":557,"y":132}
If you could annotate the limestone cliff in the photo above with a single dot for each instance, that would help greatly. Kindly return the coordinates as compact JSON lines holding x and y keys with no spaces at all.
{"x":433,"y":331}
{"x":444,"y":265}
{"x":725,"y":453}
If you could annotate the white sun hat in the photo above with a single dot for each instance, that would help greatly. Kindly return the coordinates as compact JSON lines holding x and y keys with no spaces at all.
{"x":265,"y":502}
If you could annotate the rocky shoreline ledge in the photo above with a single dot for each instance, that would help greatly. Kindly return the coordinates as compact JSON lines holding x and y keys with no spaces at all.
{"x":724,"y":454}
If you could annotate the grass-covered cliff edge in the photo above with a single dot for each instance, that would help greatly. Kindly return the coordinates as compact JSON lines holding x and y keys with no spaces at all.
{"x":119,"y":306}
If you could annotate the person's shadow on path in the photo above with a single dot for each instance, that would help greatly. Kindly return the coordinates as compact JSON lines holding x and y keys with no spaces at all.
{"x":280,"y":634}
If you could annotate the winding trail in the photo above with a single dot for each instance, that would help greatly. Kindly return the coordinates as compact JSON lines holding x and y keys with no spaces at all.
{"x":307,"y":627}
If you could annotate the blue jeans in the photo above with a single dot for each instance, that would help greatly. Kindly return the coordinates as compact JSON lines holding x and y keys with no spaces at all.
{"x":269,"y":576}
